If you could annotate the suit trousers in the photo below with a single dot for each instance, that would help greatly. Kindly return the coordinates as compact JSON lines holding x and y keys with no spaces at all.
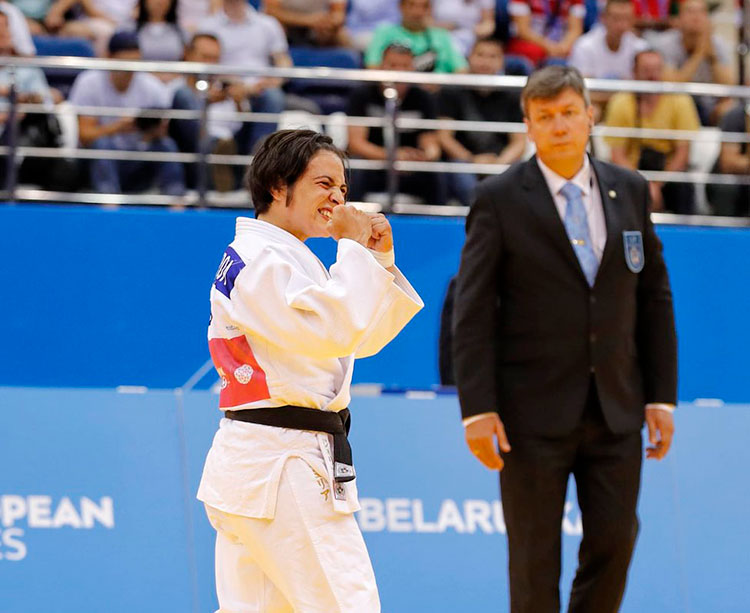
{"x":533,"y":483}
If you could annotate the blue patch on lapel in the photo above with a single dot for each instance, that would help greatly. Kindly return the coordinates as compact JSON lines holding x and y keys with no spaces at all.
{"x":634,"y":255}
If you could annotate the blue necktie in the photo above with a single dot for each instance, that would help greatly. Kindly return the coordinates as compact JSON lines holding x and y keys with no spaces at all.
{"x":577,"y":227}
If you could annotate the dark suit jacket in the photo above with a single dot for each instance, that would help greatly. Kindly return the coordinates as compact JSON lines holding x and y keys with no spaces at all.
{"x":528,"y":330}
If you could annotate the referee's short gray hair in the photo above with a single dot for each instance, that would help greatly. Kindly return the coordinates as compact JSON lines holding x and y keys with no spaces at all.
{"x":548,"y":82}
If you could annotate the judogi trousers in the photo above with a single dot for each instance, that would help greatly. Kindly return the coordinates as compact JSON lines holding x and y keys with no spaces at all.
{"x":308,"y":559}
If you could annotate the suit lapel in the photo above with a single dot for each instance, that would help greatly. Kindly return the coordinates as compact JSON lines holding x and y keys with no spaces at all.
{"x":612,"y":210}
{"x":543,"y":206}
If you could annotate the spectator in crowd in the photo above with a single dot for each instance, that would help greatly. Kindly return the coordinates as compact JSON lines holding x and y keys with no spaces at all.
{"x":608,"y":49}
{"x":250,"y":39}
{"x":416,"y":145}
{"x":159,"y":36}
{"x":311,"y":22}
{"x":192,"y":13}
{"x":118,"y":89}
{"x":37,"y":129}
{"x":734,"y":158}
{"x":654,"y":15}
{"x":19,"y":29}
{"x":98,"y":20}
{"x":475,"y":104}
{"x":694,"y":54}
{"x":545,"y":30}
{"x":656,"y":112}
{"x":432,"y":47}
{"x":221,"y":96}
{"x":365,"y":16}
{"x":35,"y":12}
{"x":466,"y":20}
{"x":31,"y":84}
{"x":101,"y":18}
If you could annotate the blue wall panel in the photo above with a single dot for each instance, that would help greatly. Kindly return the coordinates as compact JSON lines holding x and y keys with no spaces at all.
{"x":63,"y":444}
{"x":428,"y":521}
{"x":100,"y":298}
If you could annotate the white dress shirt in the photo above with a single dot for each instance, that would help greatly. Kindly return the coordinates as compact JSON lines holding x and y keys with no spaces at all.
{"x":585,"y":180}
{"x":592,"y":202}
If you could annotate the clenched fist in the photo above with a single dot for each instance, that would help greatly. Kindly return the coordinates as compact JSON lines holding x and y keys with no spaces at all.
{"x":348,"y":222}
{"x":381,"y":235}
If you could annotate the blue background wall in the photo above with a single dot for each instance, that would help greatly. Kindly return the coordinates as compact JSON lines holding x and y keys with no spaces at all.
{"x":100,"y":298}
{"x":145,"y":452}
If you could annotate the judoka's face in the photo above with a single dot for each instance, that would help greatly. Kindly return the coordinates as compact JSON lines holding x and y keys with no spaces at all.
{"x":320,"y":189}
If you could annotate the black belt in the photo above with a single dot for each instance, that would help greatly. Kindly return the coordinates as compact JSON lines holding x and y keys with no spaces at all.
{"x":301,"y":418}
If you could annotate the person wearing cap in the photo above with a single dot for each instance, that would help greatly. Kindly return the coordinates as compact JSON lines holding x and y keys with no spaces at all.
{"x":131,"y":90}
{"x":564,"y":344}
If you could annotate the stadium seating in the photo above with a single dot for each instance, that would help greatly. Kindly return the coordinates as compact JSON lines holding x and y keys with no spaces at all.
{"x":331,"y":96}
{"x":62,"y":78}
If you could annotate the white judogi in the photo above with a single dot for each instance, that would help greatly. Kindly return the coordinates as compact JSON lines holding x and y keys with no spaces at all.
{"x":285,"y":331}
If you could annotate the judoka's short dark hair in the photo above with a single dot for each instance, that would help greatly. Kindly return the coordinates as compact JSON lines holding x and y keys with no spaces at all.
{"x":281,"y":159}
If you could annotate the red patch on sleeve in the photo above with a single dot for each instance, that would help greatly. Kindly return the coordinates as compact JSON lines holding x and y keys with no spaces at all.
{"x":242,"y":379}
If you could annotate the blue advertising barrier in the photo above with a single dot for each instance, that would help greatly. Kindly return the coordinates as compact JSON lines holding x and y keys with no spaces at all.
{"x":101,"y":298}
{"x":97,"y":508}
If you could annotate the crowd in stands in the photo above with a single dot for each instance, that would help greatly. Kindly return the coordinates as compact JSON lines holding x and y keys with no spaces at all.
{"x":651,"y":40}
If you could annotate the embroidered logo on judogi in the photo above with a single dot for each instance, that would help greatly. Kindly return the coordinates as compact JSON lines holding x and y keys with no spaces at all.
{"x":244,"y":374}
{"x":322,"y":484}
{"x":634,"y":256}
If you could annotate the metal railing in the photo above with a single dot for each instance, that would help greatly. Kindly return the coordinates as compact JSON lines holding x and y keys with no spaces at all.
{"x":391,"y":124}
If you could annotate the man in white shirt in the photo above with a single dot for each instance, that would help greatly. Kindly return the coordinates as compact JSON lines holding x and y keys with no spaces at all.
{"x":561,"y":262}
{"x":693,"y":53}
{"x":252,"y":40}
{"x":192,"y":13}
{"x":608,"y":49}
{"x":223,"y":98}
{"x":128,"y":90}
{"x":279,"y":484}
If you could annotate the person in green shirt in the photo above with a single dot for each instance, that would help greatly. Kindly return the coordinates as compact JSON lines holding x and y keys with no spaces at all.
{"x":433,"y":48}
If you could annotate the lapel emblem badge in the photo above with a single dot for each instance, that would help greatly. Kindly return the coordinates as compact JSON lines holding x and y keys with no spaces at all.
{"x":634,"y":256}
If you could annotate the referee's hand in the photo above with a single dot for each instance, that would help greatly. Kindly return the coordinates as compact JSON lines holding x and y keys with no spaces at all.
{"x":660,"y":433}
{"x":480,"y":437}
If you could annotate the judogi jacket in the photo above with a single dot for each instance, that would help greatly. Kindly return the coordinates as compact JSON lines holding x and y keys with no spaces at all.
{"x":285,"y":331}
